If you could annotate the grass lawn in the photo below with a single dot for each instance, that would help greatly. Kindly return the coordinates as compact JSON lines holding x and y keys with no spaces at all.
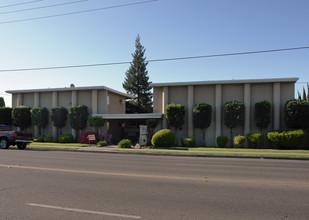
{"x":253,"y":154}
{"x":59,"y":144}
{"x":232,"y":149}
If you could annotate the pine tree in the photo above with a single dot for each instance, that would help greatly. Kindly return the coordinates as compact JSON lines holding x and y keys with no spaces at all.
{"x":137,"y":81}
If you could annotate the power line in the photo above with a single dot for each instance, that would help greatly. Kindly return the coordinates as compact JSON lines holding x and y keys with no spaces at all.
{"x":155,"y":60}
{"x":42,"y":7}
{"x":23,"y":3}
{"x":78,"y":12}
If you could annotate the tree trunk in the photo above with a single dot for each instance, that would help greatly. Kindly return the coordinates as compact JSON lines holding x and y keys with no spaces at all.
{"x":203,"y":130}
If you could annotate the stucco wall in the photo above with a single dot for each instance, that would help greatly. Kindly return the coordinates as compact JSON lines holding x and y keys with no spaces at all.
{"x":102,"y":102}
{"x":115,"y":106}
{"x":64,"y":98}
{"x":255,"y":92}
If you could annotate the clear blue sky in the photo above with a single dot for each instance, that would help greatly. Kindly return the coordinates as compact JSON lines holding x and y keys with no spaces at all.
{"x":168,"y":28}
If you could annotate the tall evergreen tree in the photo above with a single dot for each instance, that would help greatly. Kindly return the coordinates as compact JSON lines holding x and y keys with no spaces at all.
{"x":137,"y":81}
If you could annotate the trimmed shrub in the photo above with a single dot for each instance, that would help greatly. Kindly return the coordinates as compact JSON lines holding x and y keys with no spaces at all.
{"x":163,"y":138}
{"x":58,"y":117}
{"x":188,"y":141}
{"x":65,"y":138}
{"x":21,"y":117}
{"x":234,"y":115}
{"x":78,"y":117}
{"x":152,"y":123}
{"x":38,"y":139}
{"x":48,"y":138}
{"x":101,"y":144}
{"x":202,"y":117}
{"x":175,"y":114}
{"x":6,"y":115}
{"x":84,"y":139}
{"x":297,"y":114}
{"x":96,"y":121}
{"x":222,"y":141}
{"x":39,"y":117}
{"x":255,"y":137}
{"x":262,"y":114}
{"x":286,"y":138}
{"x":125,"y":143}
{"x":239,"y":141}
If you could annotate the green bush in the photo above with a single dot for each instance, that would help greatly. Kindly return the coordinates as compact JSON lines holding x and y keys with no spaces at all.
{"x":48,"y":138}
{"x":255,"y":137}
{"x":163,"y":138}
{"x":101,"y":144}
{"x":222,"y":141}
{"x":65,"y":138}
{"x":286,"y":138}
{"x":38,"y":139}
{"x":21,"y":117}
{"x":188,"y":141}
{"x":297,"y":114}
{"x":262,"y":114}
{"x":239,"y":141}
{"x":6,"y":115}
{"x":175,"y":114}
{"x":125,"y":143}
{"x":152,"y":123}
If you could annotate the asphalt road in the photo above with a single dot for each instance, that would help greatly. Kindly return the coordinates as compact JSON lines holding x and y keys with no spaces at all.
{"x":81,"y":185}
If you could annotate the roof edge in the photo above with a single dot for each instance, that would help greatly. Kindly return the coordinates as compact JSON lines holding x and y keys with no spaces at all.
{"x":70,"y":89}
{"x":239,"y":81}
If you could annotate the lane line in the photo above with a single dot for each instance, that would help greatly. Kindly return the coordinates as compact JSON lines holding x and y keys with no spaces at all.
{"x":104,"y":173}
{"x":201,"y":179}
{"x":83,"y":211}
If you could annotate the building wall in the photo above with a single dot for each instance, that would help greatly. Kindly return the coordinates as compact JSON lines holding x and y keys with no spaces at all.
{"x":66,"y":99}
{"x":117,"y":104}
{"x":249,"y":93}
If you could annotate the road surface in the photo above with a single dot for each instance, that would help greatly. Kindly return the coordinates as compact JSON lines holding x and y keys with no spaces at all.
{"x":81,"y":185}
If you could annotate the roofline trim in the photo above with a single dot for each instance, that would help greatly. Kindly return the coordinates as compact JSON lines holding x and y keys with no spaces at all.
{"x":241,"y":81}
{"x":70,"y":89}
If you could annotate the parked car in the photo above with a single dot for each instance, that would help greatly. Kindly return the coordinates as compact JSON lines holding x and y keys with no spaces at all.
{"x":8,"y":137}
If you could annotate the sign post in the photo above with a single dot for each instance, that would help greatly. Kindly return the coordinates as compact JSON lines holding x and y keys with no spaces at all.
{"x":143,"y":135}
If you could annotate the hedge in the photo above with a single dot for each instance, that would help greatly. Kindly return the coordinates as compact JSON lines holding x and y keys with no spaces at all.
{"x":286,"y":138}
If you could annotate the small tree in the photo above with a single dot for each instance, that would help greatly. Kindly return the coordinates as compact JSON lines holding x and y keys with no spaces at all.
{"x":96,"y":121}
{"x":151,"y":123}
{"x":2,"y":102}
{"x":297,"y":114}
{"x":78,"y":117}
{"x":6,"y":115}
{"x":21,"y":117}
{"x":262,"y":114}
{"x":58,"y":117}
{"x":39,"y":117}
{"x":234,"y":115}
{"x":202,"y":117}
{"x":175,"y":114}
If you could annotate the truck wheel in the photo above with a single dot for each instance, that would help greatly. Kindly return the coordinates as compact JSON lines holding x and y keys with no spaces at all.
{"x":4,"y":144}
{"x":21,"y":146}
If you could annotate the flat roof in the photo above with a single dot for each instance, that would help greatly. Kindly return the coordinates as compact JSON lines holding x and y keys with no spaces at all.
{"x":213,"y":82}
{"x":130,"y":116}
{"x":70,"y":89}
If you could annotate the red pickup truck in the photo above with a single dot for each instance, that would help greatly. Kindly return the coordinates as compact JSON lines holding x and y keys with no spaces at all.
{"x":18,"y":138}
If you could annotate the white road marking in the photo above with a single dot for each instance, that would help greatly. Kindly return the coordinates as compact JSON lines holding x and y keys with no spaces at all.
{"x":84,"y":211}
